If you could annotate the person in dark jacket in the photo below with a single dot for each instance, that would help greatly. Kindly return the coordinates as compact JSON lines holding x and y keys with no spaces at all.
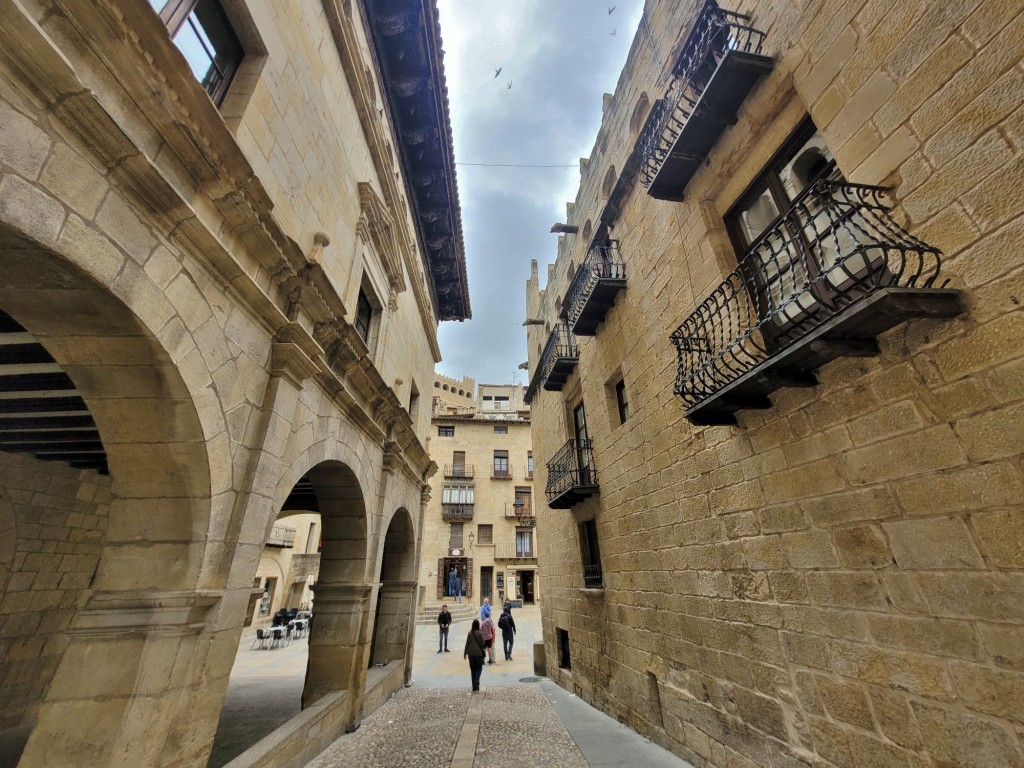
{"x":444,"y":621}
{"x":475,"y":653}
{"x":507,"y":625}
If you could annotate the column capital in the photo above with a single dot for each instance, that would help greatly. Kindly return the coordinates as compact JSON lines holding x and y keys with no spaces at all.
{"x":340,"y":594}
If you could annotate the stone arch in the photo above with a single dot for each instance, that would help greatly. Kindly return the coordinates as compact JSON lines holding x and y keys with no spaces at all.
{"x":397,"y":591}
{"x":609,"y":182}
{"x":96,"y":318}
{"x":640,"y":110}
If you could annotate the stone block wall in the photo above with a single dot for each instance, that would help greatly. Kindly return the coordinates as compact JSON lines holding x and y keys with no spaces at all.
{"x":838,"y":580}
{"x":52,"y":520}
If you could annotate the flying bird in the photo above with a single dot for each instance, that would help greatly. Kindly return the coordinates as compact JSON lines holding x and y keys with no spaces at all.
{"x":610,"y":10}
{"x":498,"y":71}
{"x":612,"y":33}
{"x":509,"y":86}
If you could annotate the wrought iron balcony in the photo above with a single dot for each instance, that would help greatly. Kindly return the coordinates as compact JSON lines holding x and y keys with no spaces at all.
{"x":281,"y":536}
{"x":571,"y":475}
{"x":592,"y":577}
{"x":594,"y":287}
{"x":513,"y":552}
{"x":458,"y":470}
{"x":560,"y":355}
{"x":456,"y":512}
{"x":719,"y":64}
{"x":501,"y":473}
{"x":519,"y":509}
{"x":832,"y":273}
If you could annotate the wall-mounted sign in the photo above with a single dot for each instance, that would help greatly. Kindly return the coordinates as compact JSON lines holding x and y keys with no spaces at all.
{"x":456,"y":552}
{"x":501,"y":579}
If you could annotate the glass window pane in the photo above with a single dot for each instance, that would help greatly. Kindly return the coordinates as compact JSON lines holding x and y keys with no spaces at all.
{"x":754,"y":218}
{"x":806,"y":166}
{"x":190,"y":44}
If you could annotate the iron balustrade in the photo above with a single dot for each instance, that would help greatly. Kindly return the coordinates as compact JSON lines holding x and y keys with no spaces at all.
{"x":503,"y":473}
{"x":819,"y":275}
{"x":592,"y":577}
{"x":507,"y":551}
{"x":572,"y":476}
{"x":560,"y":355}
{"x":520,"y":510}
{"x":458,"y":470}
{"x":593,"y":288}
{"x":281,"y":536}
{"x":715,"y":35}
{"x":456,"y":512}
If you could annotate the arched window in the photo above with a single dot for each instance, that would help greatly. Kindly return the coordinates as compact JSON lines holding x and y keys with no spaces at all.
{"x":609,"y":183}
{"x":636,"y":122}
{"x":588,"y":230}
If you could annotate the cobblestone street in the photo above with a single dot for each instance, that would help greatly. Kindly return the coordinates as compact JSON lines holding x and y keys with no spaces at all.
{"x":437,"y":722}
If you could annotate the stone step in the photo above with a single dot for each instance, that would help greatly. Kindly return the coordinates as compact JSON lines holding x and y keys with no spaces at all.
{"x":459,"y":612}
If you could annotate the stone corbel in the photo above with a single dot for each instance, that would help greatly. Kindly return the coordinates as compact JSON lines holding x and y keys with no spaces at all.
{"x":150,"y":612}
{"x":292,"y":364}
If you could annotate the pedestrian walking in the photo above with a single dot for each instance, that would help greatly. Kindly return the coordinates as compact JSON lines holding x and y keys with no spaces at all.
{"x":487,"y":630}
{"x":485,"y":609}
{"x":475,"y":653}
{"x":507,"y":625}
{"x":458,"y":588}
{"x":444,"y":621}
{"x":451,"y":582}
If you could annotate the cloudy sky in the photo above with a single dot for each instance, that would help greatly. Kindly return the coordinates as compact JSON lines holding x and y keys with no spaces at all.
{"x":559,"y":56}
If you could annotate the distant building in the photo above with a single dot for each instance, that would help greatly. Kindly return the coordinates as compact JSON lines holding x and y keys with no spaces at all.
{"x":288,"y":568}
{"x":778,"y":411}
{"x":480,"y":518}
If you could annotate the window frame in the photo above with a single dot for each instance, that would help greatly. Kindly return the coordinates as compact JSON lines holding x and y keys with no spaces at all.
{"x":452,"y":544}
{"x":175,"y":14}
{"x":590,"y":552}
{"x":446,"y":430}
{"x":621,"y":401}
{"x":362,"y":320}
{"x":481,"y":530}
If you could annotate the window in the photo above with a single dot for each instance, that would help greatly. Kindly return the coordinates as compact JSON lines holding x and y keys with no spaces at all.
{"x":457,"y":493}
{"x":501,"y":464}
{"x":501,"y":402}
{"x":524,"y":542}
{"x":621,"y":401}
{"x":502,"y":430}
{"x":579,"y":418}
{"x":564,"y":661}
{"x":414,"y":401}
{"x":201,"y":31}
{"x":529,"y":463}
{"x":458,"y":463}
{"x":446,"y":431}
{"x":364,"y":316}
{"x":455,"y":537}
{"x":523,"y":505}
{"x":485,"y":533}
{"x":791,"y":282}
{"x":590,"y":554}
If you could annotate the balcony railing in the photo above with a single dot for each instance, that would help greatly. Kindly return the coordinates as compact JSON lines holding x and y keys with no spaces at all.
{"x":513,"y":552}
{"x":458,"y":470}
{"x":571,"y":475}
{"x":594,"y":287}
{"x":281,"y":536}
{"x":592,"y":577}
{"x":501,"y":473}
{"x":560,"y":355}
{"x":718,"y":66}
{"x":519,"y":510}
{"x":456,"y":512}
{"x":834,"y":272}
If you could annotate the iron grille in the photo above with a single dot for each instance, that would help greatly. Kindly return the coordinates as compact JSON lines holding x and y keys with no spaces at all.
{"x":603,"y":261}
{"x":592,"y":577}
{"x":560,"y":355}
{"x":456,"y":511}
{"x":715,"y":33}
{"x":458,"y":470}
{"x":836,"y":246}
{"x":572,"y":467}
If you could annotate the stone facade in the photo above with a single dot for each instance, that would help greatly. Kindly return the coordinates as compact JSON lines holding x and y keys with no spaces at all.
{"x":483,"y":489}
{"x":288,"y":568}
{"x":836,"y":579}
{"x":238,"y":307}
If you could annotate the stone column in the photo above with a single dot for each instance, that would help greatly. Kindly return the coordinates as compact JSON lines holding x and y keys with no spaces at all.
{"x":338,"y":646}
{"x":391,"y":635}
{"x":113,"y":700}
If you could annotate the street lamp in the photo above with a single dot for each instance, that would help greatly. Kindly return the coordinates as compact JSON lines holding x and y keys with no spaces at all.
{"x":471,"y":537}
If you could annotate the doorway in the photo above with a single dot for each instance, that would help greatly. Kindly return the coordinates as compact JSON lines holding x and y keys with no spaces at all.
{"x":486,"y":583}
{"x":462,"y":568}
{"x":527,"y":585}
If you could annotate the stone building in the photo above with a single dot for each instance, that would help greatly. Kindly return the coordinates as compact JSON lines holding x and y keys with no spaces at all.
{"x":219,"y":301}
{"x":288,"y":568}
{"x":778,"y":410}
{"x":479,"y":520}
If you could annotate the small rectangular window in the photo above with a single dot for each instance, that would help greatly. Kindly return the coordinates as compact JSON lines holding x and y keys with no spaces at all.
{"x":621,"y":401}
{"x":503,"y":430}
{"x":564,"y":662}
{"x":446,"y":431}
{"x":529,"y":463}
{"x":590,"y":554}
{"x":484,"y":534}
{"x":501,"y":464}
{"x":364,"y":316}
{"x":524,"y":542}
{"x":455,"y":538}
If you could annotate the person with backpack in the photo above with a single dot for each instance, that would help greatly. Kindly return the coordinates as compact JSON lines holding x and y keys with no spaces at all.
{"x":507,"y":625}
{"x":475,"y":652}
